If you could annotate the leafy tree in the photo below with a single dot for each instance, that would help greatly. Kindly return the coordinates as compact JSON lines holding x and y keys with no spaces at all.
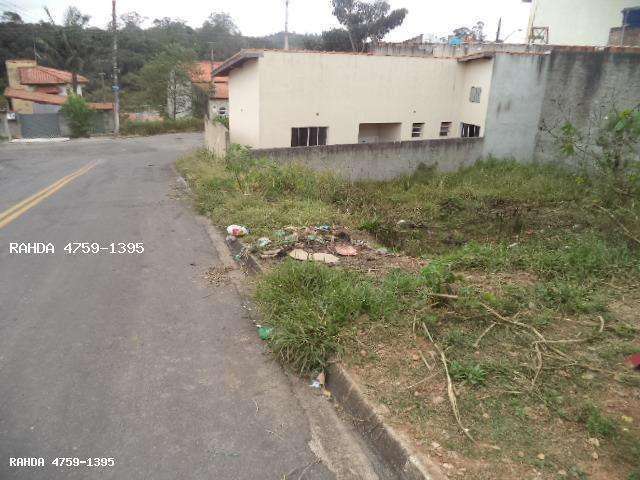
{"x":68,"y":47}
{"x":220,"y":33}
{"x":164,"y":81}
{"x":336,"y":40}
{"x":10,"y":17}
{"x":79,"y":115}
{"x":366,"y":21}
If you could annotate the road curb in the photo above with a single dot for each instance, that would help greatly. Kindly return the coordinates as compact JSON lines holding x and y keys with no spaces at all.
{"x":391,"y":446}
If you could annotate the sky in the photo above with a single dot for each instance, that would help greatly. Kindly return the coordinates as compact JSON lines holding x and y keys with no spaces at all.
{"x":260,"y":17}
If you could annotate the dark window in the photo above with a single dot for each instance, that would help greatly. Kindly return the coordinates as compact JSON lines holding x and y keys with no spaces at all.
{"x":416,"y":130}
{"x":470,"y":131}
{"x":308,"y":136}
{"x":474,"y":95}
{"x":445,"y":128}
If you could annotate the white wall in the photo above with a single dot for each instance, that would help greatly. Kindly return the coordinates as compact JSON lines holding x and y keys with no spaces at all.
{"x":341,"y":91}
{"x":244,"y":104}
{"x":579,"y":22}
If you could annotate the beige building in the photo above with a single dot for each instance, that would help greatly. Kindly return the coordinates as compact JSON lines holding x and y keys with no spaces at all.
{"x":299,"y":98}
{"x":575,"y":22}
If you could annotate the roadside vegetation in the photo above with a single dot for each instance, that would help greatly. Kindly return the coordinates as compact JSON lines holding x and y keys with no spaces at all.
{"x":156,"y":127}
{"x":528,"y":292}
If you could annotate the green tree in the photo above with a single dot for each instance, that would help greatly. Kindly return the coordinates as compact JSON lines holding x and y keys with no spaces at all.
{"x":164,"y":82}
{"x":336,"y":40}
{"x":68,"y":46}
{"x":79,"y":115}
{"x":366,"y":21}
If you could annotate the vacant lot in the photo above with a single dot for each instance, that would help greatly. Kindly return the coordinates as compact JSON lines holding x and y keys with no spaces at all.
{"x":521,"y":280}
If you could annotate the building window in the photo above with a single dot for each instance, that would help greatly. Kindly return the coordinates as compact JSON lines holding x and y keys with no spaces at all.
{"x":474,"y":96}
{"x":470,"y":131}
{"x":445,"y":128}
{"x":308,"y":136}
{"x":416,"y":130}
{"x":222,"y":111}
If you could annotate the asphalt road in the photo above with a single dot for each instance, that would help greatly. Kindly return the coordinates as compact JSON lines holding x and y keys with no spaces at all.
{"x":136,"y":357}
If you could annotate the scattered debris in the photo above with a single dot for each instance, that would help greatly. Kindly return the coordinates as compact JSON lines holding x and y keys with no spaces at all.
{"x":271,"y":253}
{"x":265,"y":332}
{"x":324,"y":258}
{"x":299,"y":254}
{"x":346,"y":250}
{"x":263,"y":242}
{"x":634,"y":361}
{"x":217,"y":275}
{"x":237,"y":230}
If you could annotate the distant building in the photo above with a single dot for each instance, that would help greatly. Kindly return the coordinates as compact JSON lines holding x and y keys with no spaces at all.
{"x":576,"y":22}
{"x":37,"y":93}
{"x":300,"y":98}
{"x":213,"y":91}
{"x":508,"y":99}
{"x":36,"y":89}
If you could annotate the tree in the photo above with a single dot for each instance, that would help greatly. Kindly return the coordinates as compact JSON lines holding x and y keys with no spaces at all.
{"x":164,"y":82}
{"x":78,"y":114}
{"x":220,"y":33}
{"x":366,"y":21}
{"x":10,"y":17}
{"x":336,"y":40}
{"x":67,"y":47}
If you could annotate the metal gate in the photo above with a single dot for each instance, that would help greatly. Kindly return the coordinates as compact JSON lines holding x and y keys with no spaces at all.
{"x":39,"y":125}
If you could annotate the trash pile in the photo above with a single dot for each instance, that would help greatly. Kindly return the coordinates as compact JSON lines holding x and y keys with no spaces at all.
{"x":328,"y":244}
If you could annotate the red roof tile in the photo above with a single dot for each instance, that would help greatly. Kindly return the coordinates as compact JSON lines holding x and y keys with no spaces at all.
{"x":201,"y":73}
{"x":46,"y":76}
{"x":49,"y":99}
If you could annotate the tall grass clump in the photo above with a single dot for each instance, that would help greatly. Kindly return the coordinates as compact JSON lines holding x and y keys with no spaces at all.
{"x":156,"y":127}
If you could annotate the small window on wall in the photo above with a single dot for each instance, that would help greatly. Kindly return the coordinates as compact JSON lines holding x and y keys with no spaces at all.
{"x":308,"y":136}
{"x":222,"y":111}
{"x":474,"y":96}
{"x":416,"y":130}
{"x":445,"y":128}
{"x":470,"y":131}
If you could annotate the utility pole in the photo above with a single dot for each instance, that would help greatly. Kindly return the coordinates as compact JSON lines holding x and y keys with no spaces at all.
{"x":498,"y":32}
{"x":102,"y":74}
{"x":286,"y":24}
{"x":211,"y":47}
{"x":116,"y":88}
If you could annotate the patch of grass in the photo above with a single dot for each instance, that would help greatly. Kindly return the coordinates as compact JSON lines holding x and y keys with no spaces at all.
{"x":310,"y":305}
{"x":156,"y":127}
{"x":598,"y":424}
{"x":528,"y":241}
{"x":471,"y":373}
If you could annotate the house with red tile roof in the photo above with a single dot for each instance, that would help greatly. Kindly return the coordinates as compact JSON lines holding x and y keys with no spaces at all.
{"x":37,"y":89}
{"x":215,"y":88}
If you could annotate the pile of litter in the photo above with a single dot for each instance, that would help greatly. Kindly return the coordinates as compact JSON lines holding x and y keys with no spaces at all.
{"x":327,"y":244}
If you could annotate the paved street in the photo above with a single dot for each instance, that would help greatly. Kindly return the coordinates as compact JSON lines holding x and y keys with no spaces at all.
{"x":131,"y":356}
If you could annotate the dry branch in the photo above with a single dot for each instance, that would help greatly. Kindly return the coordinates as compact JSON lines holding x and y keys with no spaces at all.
{"x":450,"y":391}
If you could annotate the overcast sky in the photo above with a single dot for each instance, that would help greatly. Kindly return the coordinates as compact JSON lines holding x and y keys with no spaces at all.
{"x":259,"y":17}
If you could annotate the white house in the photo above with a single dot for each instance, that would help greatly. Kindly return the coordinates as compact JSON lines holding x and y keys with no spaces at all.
{"x":301,"y":98}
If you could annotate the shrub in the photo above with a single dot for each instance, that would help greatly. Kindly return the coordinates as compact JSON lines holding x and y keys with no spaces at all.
{"x":156,"y":127}
{"x":79,"y":115}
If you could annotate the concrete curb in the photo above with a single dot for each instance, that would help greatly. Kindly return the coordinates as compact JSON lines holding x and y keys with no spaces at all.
{"x":391,"y":446}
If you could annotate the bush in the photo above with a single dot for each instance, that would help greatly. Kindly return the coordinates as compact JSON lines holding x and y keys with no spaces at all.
{"x":79,"y":115}
{"x":156,"y":127}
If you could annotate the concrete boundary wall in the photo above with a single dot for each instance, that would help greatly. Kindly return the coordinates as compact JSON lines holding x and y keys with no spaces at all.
{"x":216,"y":137}
{"x":381,"y":161}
